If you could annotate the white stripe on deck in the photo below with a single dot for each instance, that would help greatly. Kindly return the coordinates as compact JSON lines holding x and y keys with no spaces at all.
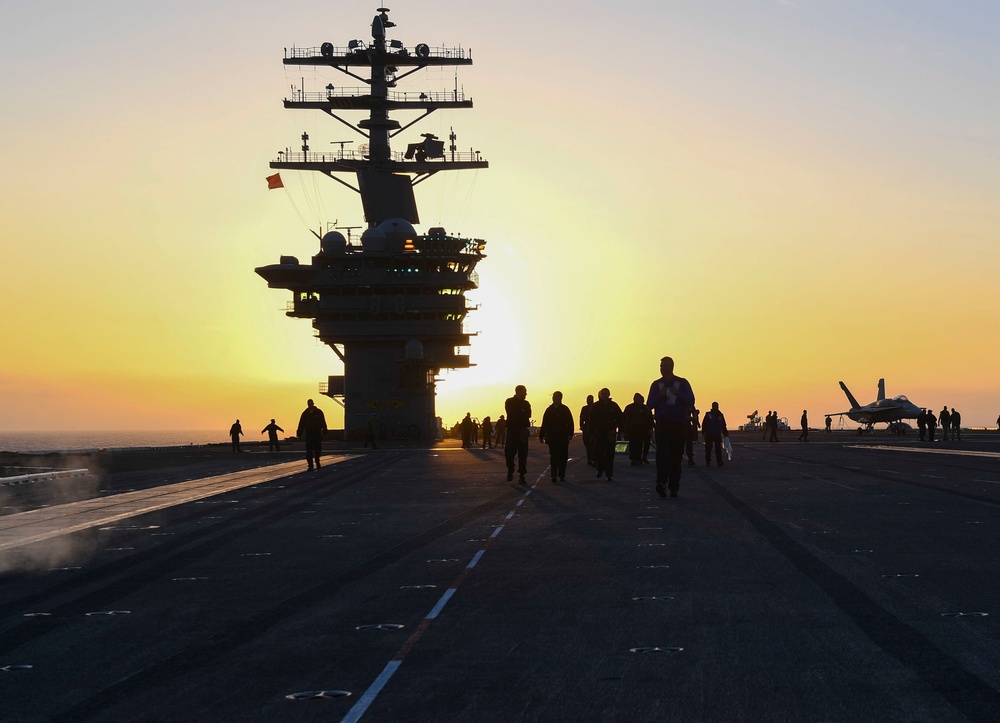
{"x":920,"y":450}
{"x":25,"y":528}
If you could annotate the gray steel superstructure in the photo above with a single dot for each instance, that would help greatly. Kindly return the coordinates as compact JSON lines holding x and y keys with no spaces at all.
{"x":393,"y":306}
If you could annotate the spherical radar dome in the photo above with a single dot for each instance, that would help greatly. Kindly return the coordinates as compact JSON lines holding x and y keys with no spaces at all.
{"x":373,"y":241}
{"x":333,"y":244}
{"x":397,"y":232}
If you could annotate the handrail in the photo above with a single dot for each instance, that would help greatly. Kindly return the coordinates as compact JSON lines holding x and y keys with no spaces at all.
{"x":362,"y":49}
{"x":347,"y":155}
{"x":445,"y":96}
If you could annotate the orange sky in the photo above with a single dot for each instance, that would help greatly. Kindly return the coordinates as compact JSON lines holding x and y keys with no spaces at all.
{"x":779,"y":194}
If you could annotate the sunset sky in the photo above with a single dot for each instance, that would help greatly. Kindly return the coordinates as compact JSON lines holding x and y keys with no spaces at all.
{"x":780,"y":194}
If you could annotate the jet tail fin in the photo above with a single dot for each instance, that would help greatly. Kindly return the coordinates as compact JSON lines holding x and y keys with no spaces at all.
{"x":850,"y":397}
{"x":881,"y":389}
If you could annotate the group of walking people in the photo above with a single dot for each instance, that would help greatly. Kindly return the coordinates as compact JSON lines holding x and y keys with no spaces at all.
{"x":927,"y":424}
{"x":312,"y":425}
{"x":667,"y":414}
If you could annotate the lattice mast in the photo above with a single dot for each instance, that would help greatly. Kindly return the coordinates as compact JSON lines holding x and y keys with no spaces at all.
{"x":392,"y":308}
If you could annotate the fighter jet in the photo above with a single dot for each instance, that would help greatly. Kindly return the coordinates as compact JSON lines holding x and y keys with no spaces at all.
{"x":881,"y":410}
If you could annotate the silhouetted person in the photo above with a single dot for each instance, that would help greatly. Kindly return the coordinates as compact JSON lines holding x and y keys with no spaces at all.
{"x":767,"y":425}
{"x":556,"y":431}
{"x":588,"y":438}
{"x":234,"y":434}
{"x":945,"y":419}
{"x":475,"y":432}
{"x":605,"y":420}
{"x":671,"y":399}
{"x":922,"y":424}
{"x":713,"y":427}
{"x":829,"y":423}
{"x":804,"y":434}
{"x":638,"y":421}
{"x":956,"y":424}
{"x":467,"y":425}
{"x":487,"y":432}
{"x":692,"y":435}
{"x":774,"y":426}
{"x":501,"y":433}
{"x":272,"y":436}
{"x":518,"y":430}
{"x":312,"y":424}
{"x":931,"y":425}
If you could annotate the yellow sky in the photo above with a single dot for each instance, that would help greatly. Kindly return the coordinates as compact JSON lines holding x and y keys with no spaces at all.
{"x":780,"y":195}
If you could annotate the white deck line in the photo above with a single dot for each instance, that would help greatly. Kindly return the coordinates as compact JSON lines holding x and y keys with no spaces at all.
{"x":25,"y":528}
{"x":920,"y":450}
{"x":39,"y":476}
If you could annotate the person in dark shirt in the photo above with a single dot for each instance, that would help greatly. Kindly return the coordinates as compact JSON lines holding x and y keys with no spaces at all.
{"x":312,"y":424}
{"x":272,"y":436}
{"x":922,"y":424}
{"x":234,"y":434}
{"x":671,"y":399}
{"x":804,"y":422}
{"x":931,"y":426}
{"x":945,"y":418}
{"x":487,"y":432}
{"x":588,"y":438}
{"x":556,"y":431}
{"x":501,"y":433}
{"x":518,"y":430}
{"x":692,"y":435}
{"x":713,"y":427}
{"x":605,"y":421}
{"x":956,"y":425}
{"x":638,"y":421}
{"x":467,"y":430}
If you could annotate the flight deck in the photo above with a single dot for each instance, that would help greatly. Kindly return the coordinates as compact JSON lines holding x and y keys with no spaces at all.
{"x":842,"y":579}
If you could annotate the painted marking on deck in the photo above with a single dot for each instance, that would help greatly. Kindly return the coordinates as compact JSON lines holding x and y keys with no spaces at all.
{"x":25,"y":528}
{"x":920,"y":450}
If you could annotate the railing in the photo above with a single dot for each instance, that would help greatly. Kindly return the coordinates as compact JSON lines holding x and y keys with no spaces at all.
{"x":395,"y":156}
{"x":319,"y":96}
{"x":361,"y":48}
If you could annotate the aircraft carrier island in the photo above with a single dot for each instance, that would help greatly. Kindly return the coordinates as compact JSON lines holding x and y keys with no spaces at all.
{"x":393,"y":306}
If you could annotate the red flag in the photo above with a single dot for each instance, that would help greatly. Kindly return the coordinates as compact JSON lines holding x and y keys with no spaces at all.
{"x":274,"y":181}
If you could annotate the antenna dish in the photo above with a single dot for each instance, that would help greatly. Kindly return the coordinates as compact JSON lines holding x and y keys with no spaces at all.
{"x":326,"y":50}
{"x":363,"y":150}
{"x":423,"y":50}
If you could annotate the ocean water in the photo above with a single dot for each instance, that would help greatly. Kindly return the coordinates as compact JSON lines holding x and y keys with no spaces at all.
{"x":107,"y":439}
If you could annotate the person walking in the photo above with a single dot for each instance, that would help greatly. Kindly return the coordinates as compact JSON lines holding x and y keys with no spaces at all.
{"x":956,"y":425}
{"x":487,"y":432}
{"x":606,"y":419}
{"x":945,"y":419}
{"x":312,"y":424}
{"x":556,"y":431}
{"x":671,"y":399}
{"x":467,"y":425}
{"x":638,"y":421}
{"x":501,"y":433}
{"x":588,"y":438}
{"x":235,"y":432}
{"x":518,"y":430}
{"x":922,"y":424}
{"x":713,"y":427}
{"x":804,"y":434}
{"x":272,"y":436}
{"x":692,"y":435}
{"x":931,"y":426}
